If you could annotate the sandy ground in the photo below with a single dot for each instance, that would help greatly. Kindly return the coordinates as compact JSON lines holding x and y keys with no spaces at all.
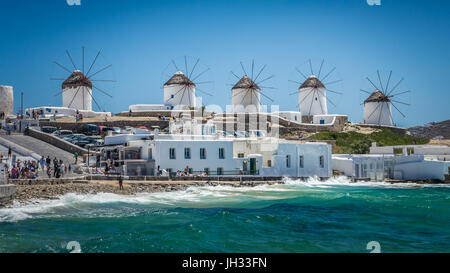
{"x":440,"y":142}
{"x":351,"y":127}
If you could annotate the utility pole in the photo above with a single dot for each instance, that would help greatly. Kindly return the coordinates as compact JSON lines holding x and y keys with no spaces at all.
{"x":21,"y":105}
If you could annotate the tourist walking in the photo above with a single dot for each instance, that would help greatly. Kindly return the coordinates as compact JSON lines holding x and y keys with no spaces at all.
{"x":9,"y":152}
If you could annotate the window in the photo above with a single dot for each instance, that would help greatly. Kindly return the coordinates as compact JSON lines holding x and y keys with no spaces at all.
{"x":269,"y":163}
{"x":322,"y":161}
{"x":241,"y":155}
{"x":150,"y":153}
{"x":187,"y":153}
{"x":172,"y":154}
{"x":301,"y":162}
{"x":202,"y":153}
{"x":219,"y":171}
{"x":206,"y":170}
{"x":288,"y":161}
{"x":410,"y":151}
{"x":221,"y":153}
{"x":172,"y":96}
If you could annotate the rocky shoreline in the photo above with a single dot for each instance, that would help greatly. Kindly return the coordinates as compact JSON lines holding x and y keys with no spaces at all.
{"x":27,"y":193}
{"x":50,"y":190}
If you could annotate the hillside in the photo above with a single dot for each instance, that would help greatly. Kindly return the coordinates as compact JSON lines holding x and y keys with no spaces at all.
{"x":358,"y":143}
{"x":438,"y":130}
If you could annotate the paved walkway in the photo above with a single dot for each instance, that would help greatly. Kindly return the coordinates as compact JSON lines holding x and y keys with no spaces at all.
{"x":39,"y":147}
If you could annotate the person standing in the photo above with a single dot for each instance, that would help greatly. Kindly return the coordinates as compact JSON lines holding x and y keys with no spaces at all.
{"x":76,"y":158}
{"x":121,"y":183}
{"x":48,"y":161}
{"x":42,"y":162}
{"x":9,"y":152}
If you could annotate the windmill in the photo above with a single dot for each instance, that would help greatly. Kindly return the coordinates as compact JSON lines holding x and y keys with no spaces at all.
{"x":246,"y":93}
{"x":180,"y":89}
{"x":77,"y":89}
{"x":378,"y":106}
{"x":312,"y":92}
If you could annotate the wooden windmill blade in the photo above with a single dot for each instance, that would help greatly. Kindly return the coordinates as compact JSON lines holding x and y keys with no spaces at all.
{"x":78,"y":78}
{"x":384,"y":96}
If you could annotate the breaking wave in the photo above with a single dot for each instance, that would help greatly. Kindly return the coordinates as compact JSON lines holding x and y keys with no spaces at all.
{"x":114,"y":205}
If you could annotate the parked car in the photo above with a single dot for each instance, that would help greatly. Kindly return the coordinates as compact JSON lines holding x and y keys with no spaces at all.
{"x":48,"y":129}
{"x":74,"y":136}
{"x":62,"y":133}
{"x":105,"y":129}
{"x":91,"y":129}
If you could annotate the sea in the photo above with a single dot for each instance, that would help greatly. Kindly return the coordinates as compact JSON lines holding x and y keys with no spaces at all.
{"x":296,"y":217}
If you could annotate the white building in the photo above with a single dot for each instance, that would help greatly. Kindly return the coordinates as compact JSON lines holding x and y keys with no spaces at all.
{"x":216,"y":155}
{"x":406,"y":162}
{"x":246,"y":96}
{"x":312,"y":99}
{"x":60,"y":112}
{"x":289,"y":115}
{"x":179,"y":92}
{"x":377,"y":109}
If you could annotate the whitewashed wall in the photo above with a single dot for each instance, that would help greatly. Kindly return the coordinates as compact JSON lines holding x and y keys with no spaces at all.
{"x":379,"y":116}
{"x":244,"y":101}
{"x":82,"y":100}
{"x":313,"y":103}
{"x":6,"y":100}
{"x":186,"y":97}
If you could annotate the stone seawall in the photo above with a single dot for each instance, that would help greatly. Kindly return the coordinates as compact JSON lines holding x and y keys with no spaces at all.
{"x":7,"y":193}
{"x":186,"y":178}
{"x":56,"y":141}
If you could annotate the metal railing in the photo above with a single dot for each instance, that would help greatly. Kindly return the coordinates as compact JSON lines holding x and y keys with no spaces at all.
{"x":216,"y":173}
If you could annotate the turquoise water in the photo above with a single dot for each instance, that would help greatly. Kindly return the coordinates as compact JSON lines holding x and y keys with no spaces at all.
{"x":311,"y":216}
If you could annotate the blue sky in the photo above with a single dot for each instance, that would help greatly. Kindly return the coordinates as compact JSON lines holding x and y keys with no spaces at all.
{"x":140,"y":38}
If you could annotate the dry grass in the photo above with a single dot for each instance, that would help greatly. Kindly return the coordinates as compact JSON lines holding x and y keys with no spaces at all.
{"x":440,"y":142}
{"x":351,"y":127}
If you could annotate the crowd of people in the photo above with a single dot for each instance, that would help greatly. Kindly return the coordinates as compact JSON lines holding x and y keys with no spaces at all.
{"x":32,"y":169}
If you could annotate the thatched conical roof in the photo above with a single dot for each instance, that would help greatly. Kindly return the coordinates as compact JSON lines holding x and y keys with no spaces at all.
{"x":179,"y":78}
{"x":377,"y":96}
{"x":246,"y":83}
{"x":312,"y":82}
{"x":76,"y":80}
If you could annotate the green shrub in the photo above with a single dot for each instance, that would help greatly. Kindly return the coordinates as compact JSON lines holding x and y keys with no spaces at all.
{"x":357,"y":143}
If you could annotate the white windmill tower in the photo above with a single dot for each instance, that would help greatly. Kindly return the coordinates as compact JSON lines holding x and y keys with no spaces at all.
{"x":77,"y":92}
{"x":312,"y":93}
{"x":378,"y":106}
{"x":180,"y":90}
{"x":6,"y":101}
{"x":246,"y":96}
{"x":246,"y":93}
{"x":77,"y":89}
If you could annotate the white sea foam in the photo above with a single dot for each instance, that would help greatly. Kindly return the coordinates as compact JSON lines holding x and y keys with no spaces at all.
{"x":345,"y":181}
{"x":208,"y":196}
